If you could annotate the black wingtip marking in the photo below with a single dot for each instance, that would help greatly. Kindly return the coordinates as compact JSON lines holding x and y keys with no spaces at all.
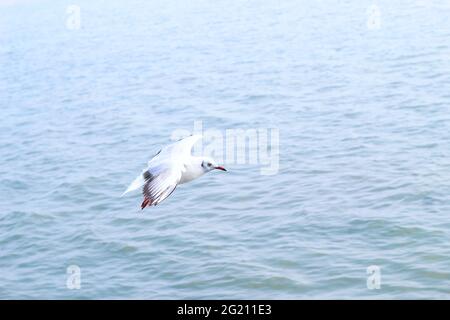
{"x":147,"y":176}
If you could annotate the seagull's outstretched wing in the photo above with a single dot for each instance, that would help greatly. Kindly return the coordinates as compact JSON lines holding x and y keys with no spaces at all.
{"x":177,"y":152}
{"x":160,"y":182}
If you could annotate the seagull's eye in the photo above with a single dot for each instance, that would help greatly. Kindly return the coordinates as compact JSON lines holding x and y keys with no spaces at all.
{"x":209,"y":164}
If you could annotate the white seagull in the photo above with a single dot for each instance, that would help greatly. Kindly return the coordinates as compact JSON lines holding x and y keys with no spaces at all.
{"x":171,"y":166}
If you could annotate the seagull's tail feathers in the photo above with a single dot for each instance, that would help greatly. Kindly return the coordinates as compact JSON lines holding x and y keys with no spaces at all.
{"x":136,"y":184}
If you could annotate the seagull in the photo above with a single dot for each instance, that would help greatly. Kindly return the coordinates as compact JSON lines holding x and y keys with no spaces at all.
{"x":171,"y":166}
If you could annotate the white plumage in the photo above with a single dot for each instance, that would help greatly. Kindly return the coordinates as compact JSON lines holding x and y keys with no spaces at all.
{"x":171,"y":166}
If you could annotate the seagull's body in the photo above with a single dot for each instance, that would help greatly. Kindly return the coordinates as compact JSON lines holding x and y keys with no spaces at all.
{"x":171,"y":166}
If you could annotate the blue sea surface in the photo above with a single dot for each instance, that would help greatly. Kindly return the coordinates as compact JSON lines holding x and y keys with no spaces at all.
{"x":358,"y":90}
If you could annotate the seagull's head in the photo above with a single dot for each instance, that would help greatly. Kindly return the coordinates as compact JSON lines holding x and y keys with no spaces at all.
{"x":209,"y":164}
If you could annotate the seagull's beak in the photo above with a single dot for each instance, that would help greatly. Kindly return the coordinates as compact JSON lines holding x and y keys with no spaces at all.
{"x":220,"y":168}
